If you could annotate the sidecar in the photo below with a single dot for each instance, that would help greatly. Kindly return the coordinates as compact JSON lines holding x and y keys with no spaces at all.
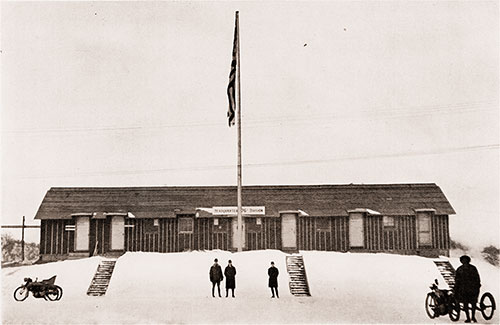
{"x":46,"y":289}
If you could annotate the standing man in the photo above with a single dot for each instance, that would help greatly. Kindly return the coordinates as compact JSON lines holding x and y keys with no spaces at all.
{"x":230,"y":273}
{"x":216,"y":277}
{"x":467,"y":284}
{"x":273,"y":279}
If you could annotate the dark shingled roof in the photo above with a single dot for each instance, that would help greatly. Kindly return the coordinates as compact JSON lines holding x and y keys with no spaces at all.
{"x":316,"y":200}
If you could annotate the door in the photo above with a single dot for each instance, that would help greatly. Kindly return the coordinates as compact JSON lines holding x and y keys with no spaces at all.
{"x":117,"y":233}
{"x":356,"y":231}
{"x":424,"y":229}
{"x":185,"y":233}
{"x":254,"y":235}
{"x":82,"y":234}
{"x":289,"y":230}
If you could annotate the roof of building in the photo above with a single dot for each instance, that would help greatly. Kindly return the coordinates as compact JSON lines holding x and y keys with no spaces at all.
{"x":315,"y":200}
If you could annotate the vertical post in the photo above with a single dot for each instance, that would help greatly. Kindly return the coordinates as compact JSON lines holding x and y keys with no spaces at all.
{"x":22,"y":240}
{"x":238,"y":109}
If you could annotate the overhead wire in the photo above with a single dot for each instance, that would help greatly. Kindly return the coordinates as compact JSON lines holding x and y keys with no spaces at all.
{"x":273,"y":164}
{"x":384,"y":113}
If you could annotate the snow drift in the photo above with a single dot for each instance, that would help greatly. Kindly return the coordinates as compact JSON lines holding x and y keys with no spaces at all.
{"x":175,"y":288}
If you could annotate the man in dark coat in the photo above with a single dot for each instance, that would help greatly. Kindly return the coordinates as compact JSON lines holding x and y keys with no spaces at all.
{"x":467,"y":284}
{"x":230,"y":273}
{"x":216,"y":276}
{"x":273,"y":279}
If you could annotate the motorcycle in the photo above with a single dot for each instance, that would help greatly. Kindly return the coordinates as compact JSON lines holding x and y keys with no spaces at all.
{"x":440,"y":302}
{"x":45,"y":289}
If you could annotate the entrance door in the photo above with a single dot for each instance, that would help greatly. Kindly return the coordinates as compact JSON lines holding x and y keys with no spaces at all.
{"x":289,"y":230}
{"x":356,"y":231}
{"x":117,"y":233}
{"x":424,"y":229}
{"x":185,"y":233}
{"x":82,"y":234}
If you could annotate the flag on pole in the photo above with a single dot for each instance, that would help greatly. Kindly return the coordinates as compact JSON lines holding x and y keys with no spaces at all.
{"x":231,"y":113}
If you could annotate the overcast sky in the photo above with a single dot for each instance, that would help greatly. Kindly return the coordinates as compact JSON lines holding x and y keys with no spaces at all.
{"x":134,"y":93}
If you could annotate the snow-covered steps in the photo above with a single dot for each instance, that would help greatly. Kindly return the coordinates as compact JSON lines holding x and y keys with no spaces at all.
{"x":101,"y":279}
{"x":298,"y":279}
{"x":447,"y":271}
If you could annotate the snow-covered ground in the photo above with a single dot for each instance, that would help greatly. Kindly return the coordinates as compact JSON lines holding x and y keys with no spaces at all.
{"x":174,"y":288}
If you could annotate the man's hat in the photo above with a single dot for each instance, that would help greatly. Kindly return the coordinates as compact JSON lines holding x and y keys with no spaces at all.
{"x":216,"y":260}
{"x":272,"y":263}
{"x":464,"y":259}
{"x":229,"y":261}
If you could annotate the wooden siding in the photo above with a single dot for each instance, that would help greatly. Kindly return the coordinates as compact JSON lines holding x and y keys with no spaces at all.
{"x":138,"y":238}
{"x":373,"y":232}
{"x":54,"y":239}
{"x":324,"y":234}
{"x":99,"y":236}
{"x":313,"y":233}
{"x":166,"y":236}
{"x":403,"y":235}
{"x":400,"y":237}
{"x":267,"y":235}
{"x":440,"y":232}
{"x":210,"y":236}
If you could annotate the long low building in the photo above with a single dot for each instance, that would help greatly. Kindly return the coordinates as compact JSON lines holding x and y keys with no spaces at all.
{"x":396,"y":218}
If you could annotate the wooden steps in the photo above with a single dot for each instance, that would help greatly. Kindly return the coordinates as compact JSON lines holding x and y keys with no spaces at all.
{"x":101,"y":279}
{"x":447,"y":271}
{"x":297,"y":272}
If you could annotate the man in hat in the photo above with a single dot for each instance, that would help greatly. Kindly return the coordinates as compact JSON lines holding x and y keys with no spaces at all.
{"x":467,"y":284}
{"x":273,"y":279}
{"x":216,"y":277}
{"x":230,"y":273}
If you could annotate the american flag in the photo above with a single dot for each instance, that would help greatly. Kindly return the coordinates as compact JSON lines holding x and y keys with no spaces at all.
{"x":231,"y":113}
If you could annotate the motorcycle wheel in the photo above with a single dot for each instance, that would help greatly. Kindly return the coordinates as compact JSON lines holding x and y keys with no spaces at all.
{"x":430,"y":305}
{"x":454,"y":312}
{"x":487,"y":305}
{"x":52,"y":295}
{"x":59,"y":292}
{"x":21,"y":293}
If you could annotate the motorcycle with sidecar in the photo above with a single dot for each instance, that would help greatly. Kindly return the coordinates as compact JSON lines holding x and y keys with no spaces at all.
{"x":46,"y":289}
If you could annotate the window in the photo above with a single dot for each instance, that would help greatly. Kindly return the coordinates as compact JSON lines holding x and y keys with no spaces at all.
{"x":253,"y":225}
{"x":222,"y":225}
{"x":149,"y":226}
{"x":186,"y":225}
{"x":323,"y":224}
{"x":424,"y":228}
{"x":388,"y":221}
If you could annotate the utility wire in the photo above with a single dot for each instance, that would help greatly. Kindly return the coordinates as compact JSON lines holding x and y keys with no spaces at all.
{"x":272,"y":164}
{"x":388,"y":113}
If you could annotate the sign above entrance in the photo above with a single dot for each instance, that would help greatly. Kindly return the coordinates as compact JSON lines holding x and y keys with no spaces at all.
{"x":218,"y":211}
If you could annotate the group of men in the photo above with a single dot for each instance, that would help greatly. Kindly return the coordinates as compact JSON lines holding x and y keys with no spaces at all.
{"x":216,"y":276}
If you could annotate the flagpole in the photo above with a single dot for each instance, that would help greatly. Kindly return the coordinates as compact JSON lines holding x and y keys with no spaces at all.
{"x":238,"y":109}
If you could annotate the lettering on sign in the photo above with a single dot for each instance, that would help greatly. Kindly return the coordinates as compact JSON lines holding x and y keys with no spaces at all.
{"x":234,"y":210}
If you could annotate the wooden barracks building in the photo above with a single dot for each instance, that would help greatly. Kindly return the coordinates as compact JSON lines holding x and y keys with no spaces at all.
{"x":396,"y":218}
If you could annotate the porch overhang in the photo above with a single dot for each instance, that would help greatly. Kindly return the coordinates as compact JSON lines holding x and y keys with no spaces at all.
{"x":365,"y":210}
